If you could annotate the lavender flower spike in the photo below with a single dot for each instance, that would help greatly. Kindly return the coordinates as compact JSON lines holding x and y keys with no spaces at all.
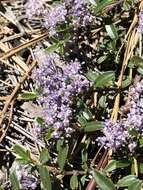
{"x":141,"y":21}
{"x":78,"y":9}
{"x":119,"y":134}
{"x":56,"y":15}
{"x":27,"y":178}
{"x":34,"y":8}
{"x":59,"y":85}
{"x":115,"y":134}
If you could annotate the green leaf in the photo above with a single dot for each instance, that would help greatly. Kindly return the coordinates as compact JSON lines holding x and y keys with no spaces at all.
{"x":74,"y":182}
{"x":126,"y":6}
{"x":105,"y":79}
{"x":29,"y":95}
{"x":135,"y":61}
{"x":22,"y":152}
{"x":52,"y":48}
{"x":22,"y":161}
{"x":93,"y":126}
{"x":83,"y":180}
{"x":133,"y":132}
{"x":45,"y":177}
{"x":41,"y":121}
{"x":62,"y":155}
{"x":49,"y":134}
{"x":102,"y":101}
{"x":126,"y":181}
{"x":58,"y":45}
{"x":136,"y":185}
{"x":44,"y":156}
{"x":82,"y":120}
{"x":1,"y":188}
{"x":84,"y":155}
{"x":140,"y":70}
{"x":67,"y":37}
{"x":141,"y":168}
{"x":59,"y":144}
{"x":63,"y":28}
{"x":61,"y":49}
{"x":101,"y":5}
{"x":103,"y":182}
{"x":93,"y":2}
{"x":14,"y":181}
{"x":111,"y":31}
{"x":92,"y":76}
{"x":111,"y":46}
{"x":102,"y":59}
{"x":87,"y":114}
{"x":114,"y":164}
{"x":141,"y":142}
{"x":126,"y":83}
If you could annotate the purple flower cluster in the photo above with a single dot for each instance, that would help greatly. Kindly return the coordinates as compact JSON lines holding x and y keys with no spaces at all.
{"x":60,"y":83}
{"x":119,"y":134}
{"x":141,"y":21}
{"x":27,"y":179}
{"x":56,"y":15}
{"x":115,"y":134}
{"x":79,"y":11}
{"x":135,"y":116}
{"x":75,"y":10}
{"x":34,"y":8}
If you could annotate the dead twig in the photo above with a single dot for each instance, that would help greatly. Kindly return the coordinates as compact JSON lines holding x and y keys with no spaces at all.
{"x":9,"y":122}
{"x":23,"y":46}
{"x":14,"y":93}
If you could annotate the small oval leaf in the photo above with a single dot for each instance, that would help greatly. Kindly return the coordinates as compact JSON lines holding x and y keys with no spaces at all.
{"x":102,"y":5}
{"x":93,"y":126}
{"x":136,"y":185}
{"x":141,"y":168}
{"x":126,"y":181}
{"x":140,"y":70}
{"x":74,"y":182}
{"x":29,"y":95}
{"x":62,"y":155}
{"x":44,"y":156}
{"x":92,"y":76}
{"x":45,"y":177}
{"x":103,"y":182}
{"x":14,"y":181}
{"x":114,"y":164}
{"x":112,"y":31}
{"x":22,"y":153}
{"x":135,"y":61}
{"x":105,"y":79}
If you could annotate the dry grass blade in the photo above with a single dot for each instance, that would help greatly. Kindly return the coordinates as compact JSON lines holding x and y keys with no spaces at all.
{"x":23,"y":46}
{"x":14,"y":93}
{"x":9,"y":122}
{"x":17,"y":60}
{"x":132,"y":42}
